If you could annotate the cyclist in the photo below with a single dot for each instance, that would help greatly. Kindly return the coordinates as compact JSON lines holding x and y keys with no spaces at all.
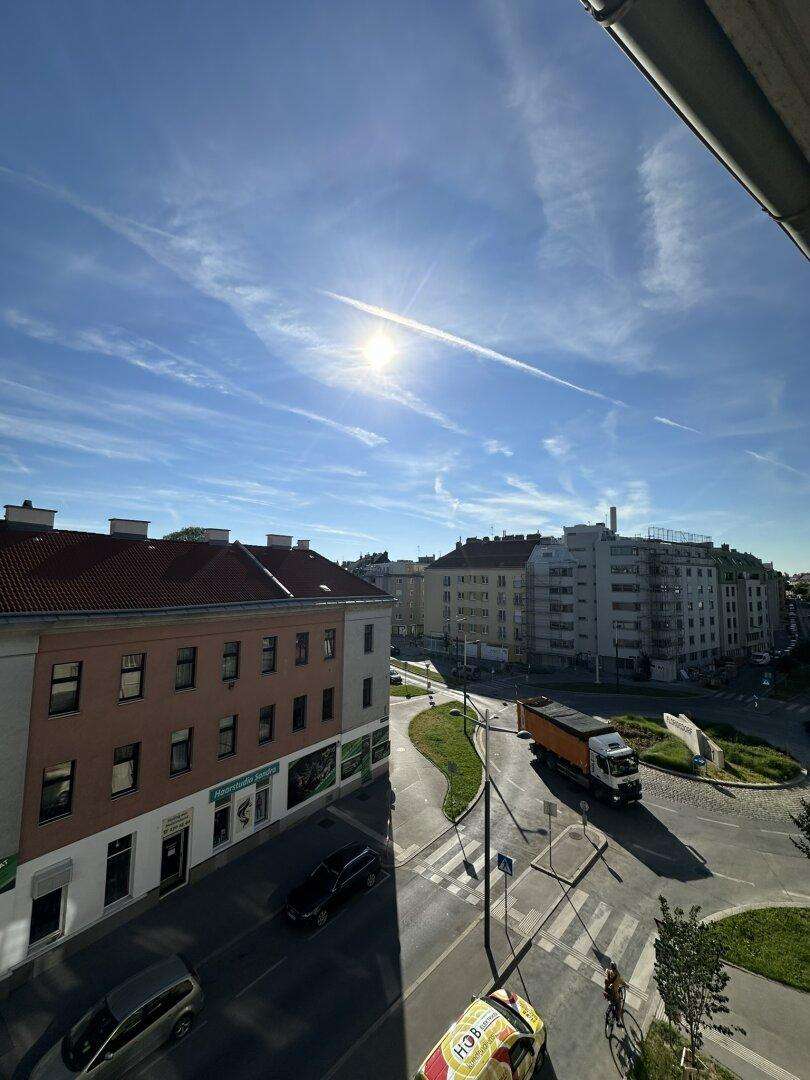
{"x":614,"y":992}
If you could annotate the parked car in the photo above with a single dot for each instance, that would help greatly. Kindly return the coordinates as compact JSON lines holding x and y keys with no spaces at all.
{"x":395,"y":650}
{"x":395,"y":677}
{"x":472,"y":673}
{"x":154,"y":1006}
{"x":760,"y":658}
{"x":353,"y":867}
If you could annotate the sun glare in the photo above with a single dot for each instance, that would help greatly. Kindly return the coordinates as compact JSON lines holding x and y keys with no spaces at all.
{"x":379,"y":352}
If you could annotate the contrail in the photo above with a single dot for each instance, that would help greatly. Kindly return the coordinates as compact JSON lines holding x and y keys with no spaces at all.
{"x":463,"y":343}
{"x":778,"y":464}
{"x":674,"y":423}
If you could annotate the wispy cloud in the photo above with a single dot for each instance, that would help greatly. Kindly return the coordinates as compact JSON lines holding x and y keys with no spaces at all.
{"x":492,"y":446}
{"x":779,"y":464}
{"x":675,"y":424}
{"x":76,"y":437}
{"x":557,"y":445}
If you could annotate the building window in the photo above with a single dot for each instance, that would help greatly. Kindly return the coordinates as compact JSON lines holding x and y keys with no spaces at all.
{"x":368,"y":638}
{"x":367,"y":691}
{"x":230,"y":661}
{"x":65,"y":682}
{"x":262,"y":811}
{"x":299,"y":713}
{"x":269,"y":646}
{"x":227,"y":737}
{"x":180,"y":757}
{"x":119,"y":862}
{"x":222,"y":821}
{"x":301,"y":649}
{"x":267,"y":723}
{"x":329,"y":644}
{"x":131,"y":686}
{"x":185,"y":671}
{"x":57,"y":791}
{"x":328,"y":706}
{"x":125,"y":768}
{"x":46,"y":916}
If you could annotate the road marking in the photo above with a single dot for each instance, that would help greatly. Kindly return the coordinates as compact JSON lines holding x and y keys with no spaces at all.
{"x":259,"y":978}
{"x":565,"y":918}
{"x":658,"y":806}
{"x":341,"y":1061}
{"x":624,"y":932}
{"x":234,"y":940}
{"x":658,"y":854}
{"x":749,"y":1056}
{"x":436,"y":855}
{"x":740,"y":881}
{"x":714,"y":821}
{"x":587,"y":938}
{"x":774,"y":832}
{"x":386,"y":841}
{"x":642,"y":971}
{"x":800,"y":896}
{"x":459,"y":857}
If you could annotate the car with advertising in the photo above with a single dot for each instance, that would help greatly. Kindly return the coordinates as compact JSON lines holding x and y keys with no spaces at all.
{"x":155,"y":1006}
{"x":344,"y":872}
{"x":499,"y":1037}
{"x":394,"y":677}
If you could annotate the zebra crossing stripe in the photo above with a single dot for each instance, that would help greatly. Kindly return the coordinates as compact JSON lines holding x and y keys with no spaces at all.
{"x":565,"y":918}
{"x":641,"y":973}
{"x":459,"y":857}
{"x":440,"y":852}
{"x":618,"y":943}
{"x":587,"y":939}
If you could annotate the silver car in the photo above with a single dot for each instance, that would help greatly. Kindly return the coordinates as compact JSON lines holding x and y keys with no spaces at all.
{"x":158,"y":1004}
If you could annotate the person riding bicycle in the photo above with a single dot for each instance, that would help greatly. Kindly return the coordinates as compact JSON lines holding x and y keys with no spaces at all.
{"x":614,"y":992}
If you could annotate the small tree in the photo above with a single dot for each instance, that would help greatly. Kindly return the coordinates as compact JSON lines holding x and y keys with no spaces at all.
{"x":802,"y":823}
{"x":190,"y":532}
{"x":689,"y":973}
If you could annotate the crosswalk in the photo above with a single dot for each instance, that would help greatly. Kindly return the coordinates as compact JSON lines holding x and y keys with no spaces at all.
{"x":751,"y":696}
{"x":584,"y":932}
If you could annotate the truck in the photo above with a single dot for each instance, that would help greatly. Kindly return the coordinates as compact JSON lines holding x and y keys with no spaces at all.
{"x":585,"y":748}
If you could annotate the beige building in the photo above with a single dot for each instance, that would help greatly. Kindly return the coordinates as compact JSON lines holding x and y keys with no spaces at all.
{"x":403,"y":579}
{"x":479,"y":589}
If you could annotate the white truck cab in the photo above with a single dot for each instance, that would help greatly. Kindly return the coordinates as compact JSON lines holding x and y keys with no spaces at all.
{"x":614,"y":767}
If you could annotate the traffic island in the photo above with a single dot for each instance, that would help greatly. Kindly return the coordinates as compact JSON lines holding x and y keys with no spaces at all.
{"x":571,"y":854}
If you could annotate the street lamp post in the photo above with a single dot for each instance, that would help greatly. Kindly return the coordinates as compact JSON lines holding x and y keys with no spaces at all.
{"x":616,"y":647}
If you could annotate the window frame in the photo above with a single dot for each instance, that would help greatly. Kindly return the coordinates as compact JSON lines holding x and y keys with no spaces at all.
{"x":52,"y":935}
{"x":270,"y":738}
{"x":53,"y":783}
{"x":330,"y":690}
{"x":225,"y":656}
{"x":140,"y":671}
{"x":262,"y":788}
{"x":220,"y":805}
{"x":189,"y":743}
{"x":368,"y":639}
{"x":116,"y":855}
{"x":329,"y":643}
{"x":178,"y":663}
{"x":137,"y":762}
{"x":302,"y":727}
{"x":265,"y":650}
{"x":77,"y":678}
{"x":232,"y":728}
{"x":301,"y":648}
{"x":368,"y":684}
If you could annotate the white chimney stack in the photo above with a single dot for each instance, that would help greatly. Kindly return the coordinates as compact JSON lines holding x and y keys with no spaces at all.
{"x":613,"y":519}
{"x":217,"y":536}
{"x":303,"y":544}
{"x":279,"y":540}
{"x":129,"y":528}
{"x":29,"y":516}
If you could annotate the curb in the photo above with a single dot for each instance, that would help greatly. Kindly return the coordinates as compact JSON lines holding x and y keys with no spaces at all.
{"x":797,"y":781}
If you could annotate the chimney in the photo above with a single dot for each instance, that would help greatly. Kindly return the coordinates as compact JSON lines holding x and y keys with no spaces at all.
{"x":217,"y":536}
{"x":303,"y":544}
{"x":30,"y":517}
{"x":613,"y":525}
{"x":279,"y":540}
{"x":129,"y":528}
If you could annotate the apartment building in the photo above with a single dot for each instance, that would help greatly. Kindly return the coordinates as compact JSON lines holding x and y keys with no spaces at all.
{"x":750,"y":601}
{"x":164,"y":706}
{"x":478,"y":589}
{"x":404,"y":579}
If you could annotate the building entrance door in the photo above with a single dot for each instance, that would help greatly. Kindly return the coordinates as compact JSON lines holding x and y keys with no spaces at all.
{"x":173,"y":861}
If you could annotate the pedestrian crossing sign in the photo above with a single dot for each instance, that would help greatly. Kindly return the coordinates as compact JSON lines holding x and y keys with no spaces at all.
{"x":506,"y":864}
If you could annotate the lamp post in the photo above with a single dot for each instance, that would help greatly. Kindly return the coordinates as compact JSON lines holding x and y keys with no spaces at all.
{"x":616,"y":647}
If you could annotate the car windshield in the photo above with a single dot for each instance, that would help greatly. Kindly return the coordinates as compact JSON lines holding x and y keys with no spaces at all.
{"x":510,"y":1014}
{"x":623,"y":766}
{"x":323,"y":877}
{"x":88,"y":1037}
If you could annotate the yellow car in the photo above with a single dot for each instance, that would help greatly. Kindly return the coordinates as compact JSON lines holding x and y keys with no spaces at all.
{"x":499,"y":1037}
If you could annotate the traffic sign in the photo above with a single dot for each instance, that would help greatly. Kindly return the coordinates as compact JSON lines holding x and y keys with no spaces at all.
{"x":549,"y":808}
{"x":506,"y":863}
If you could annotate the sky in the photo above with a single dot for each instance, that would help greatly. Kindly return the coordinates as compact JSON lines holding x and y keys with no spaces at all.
{"x":381,"y":275}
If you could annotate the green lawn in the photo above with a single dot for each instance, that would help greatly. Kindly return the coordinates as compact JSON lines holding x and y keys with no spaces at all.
{"x":748,"y":758}
{"x":774,"y":942}
{"x":661,"y":1056}
{"x":440,"y":737}
{"x":408,"y":691}
{"x":417,"y":669}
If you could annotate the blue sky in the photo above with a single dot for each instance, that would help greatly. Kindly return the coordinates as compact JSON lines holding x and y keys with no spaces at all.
{"x":210,"y":209}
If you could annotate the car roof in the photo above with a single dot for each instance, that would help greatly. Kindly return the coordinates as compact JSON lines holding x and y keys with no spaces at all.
{"x":497,"y":1032}
{"x":141,"y":988}
{"x":339,"y":858}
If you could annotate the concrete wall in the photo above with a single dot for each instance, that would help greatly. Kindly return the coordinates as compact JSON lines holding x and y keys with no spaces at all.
{"x":359,"y":665}
{"x":18,"y":652}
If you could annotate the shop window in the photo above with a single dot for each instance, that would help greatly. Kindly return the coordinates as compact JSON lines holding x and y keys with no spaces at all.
{"x":222,"y":821}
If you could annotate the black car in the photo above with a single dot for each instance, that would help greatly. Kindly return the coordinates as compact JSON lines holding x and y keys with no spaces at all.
{"x":353,"y":867}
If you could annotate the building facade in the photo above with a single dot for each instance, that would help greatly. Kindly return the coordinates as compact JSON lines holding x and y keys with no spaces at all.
{"x":403,"y":579}
{"x":167,"y":705}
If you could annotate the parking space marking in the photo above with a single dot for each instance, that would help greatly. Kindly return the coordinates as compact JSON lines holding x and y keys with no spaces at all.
{"x":740,"y":881}
{"x":259,"y":978}
{"x":153,"y":1060}
{"x":714,"y":821}
{"x":384,"y":876}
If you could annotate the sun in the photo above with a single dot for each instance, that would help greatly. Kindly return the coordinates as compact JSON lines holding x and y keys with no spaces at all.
{"x":379,"y":352}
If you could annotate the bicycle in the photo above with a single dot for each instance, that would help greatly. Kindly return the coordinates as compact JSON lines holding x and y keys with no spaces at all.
{"x":614,"y":1010}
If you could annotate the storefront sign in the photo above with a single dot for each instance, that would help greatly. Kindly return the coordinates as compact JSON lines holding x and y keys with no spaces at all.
{"x":355,"y":756}
{"x":8,"y":872}
{"x":695,"y":738}
{"x":232,"y":786}
{"x":311,"y":774}
{"x":243,"y":817}
{"x":177,"y":822}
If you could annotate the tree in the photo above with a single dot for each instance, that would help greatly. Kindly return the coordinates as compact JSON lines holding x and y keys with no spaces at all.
{"x":190,"y":532}
{"x":689,"y":973}
{"x":802,"y":823}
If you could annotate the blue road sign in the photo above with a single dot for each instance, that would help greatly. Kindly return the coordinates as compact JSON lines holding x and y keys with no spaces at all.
{"x":506,"y":864}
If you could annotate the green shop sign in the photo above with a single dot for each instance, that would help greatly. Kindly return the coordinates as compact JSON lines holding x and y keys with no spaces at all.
{"x":224,"y":790}
{"x":8,"y":872}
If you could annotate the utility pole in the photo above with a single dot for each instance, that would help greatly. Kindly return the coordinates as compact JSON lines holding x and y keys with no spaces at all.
{"x":616,"y":644}
{"x":487,"y":945}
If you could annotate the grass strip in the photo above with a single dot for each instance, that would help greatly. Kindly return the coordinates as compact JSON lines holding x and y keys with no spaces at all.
{"x":417,"y":669}
{"x":660,"y":1057}
{"x":440,"y":738}
{"x":774,"y":942}
{"x":408,"y":691}
{"x":748,"y":759}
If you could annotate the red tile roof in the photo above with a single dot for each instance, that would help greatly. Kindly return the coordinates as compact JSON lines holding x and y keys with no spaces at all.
{"x":488,"y":554}
{"x":65,"y":571}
